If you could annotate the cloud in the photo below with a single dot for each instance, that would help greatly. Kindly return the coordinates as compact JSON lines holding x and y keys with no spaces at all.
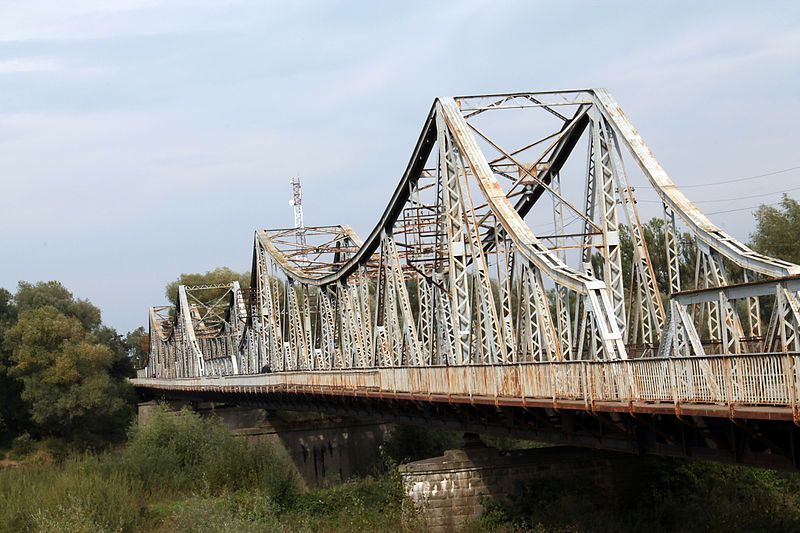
{"x":50,"y":20}
{"x":139,"y":139}
{"x":29,"y":64}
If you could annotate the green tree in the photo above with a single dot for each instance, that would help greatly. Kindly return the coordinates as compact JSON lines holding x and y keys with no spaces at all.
{"x":53,"y":293}
{"x":66,"y":376}
{"x":653,"y":231}
{"x":62,"y":370}
{"x":138,"y":345}
{"x":13,"y":412}
{"x":220,"y":275}
{"x":121,"y":364}
{"x":778,"y":230}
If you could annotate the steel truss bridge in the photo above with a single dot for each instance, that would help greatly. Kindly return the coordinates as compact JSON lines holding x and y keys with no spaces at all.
{"x":511,"y":287}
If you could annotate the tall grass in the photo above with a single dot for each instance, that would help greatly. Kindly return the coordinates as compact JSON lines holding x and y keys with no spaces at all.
{"x":180,"y":472}
{"x":76,"y":496}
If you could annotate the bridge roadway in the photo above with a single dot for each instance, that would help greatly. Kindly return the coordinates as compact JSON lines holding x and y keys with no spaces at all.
{"x":509,"y":287}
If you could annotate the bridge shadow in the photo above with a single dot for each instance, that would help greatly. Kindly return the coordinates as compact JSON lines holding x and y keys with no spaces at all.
{"x":324,"y":449}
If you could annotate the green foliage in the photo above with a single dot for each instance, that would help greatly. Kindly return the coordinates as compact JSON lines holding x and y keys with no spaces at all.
{"x":61,"y":369}
{"x":32,"y":296}
{"x":137,"y":347}
{"x":181,"y":452}
{"x":21,"y":446}
{"x":121,"y":363}
{"x":66,"y":376}
{"x":79,"y":496}
{"x":658,"y":495}
{"x":216,"y":276}
{"x":180,"y":472}
{"x":239,"y":511}
{"x":411,"y":443}
{"x":778,"y":230}
{"x":365,"y":505}
{"x":13,"y":412}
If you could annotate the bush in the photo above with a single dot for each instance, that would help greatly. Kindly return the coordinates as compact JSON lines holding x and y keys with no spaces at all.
{"x":183,"y":453}
{"x":364,"y":505}
{"x":180,"y":472}
{"x":239,"y":511}
{"x":668,"y":495}
{"x":21,"y":446}
{"x":412,"y":443}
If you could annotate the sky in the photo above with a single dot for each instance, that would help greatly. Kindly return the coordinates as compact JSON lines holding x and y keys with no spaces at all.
{"x":142,"y":138}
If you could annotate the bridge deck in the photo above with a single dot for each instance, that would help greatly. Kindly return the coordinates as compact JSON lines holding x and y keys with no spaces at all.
{"x":762,"y":386}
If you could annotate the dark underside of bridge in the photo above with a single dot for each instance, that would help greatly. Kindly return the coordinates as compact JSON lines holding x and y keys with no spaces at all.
{"x":751,"y":441}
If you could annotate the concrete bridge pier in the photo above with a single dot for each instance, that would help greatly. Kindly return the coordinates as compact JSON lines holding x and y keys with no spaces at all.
{"x":325,"y":450}
{"x":454,"y":489}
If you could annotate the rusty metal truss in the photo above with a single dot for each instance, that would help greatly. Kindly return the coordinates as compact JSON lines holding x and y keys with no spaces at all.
{"x":456,"y":272}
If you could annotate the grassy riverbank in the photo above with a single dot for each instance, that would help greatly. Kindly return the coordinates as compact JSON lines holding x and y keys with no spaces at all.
{"x":181,"y":473}
{"x":184,"y":473}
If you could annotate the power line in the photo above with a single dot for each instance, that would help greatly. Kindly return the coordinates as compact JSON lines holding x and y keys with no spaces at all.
{"x":734,"y":199}
{"x":742,"y":208}
{"x":740,"y":179}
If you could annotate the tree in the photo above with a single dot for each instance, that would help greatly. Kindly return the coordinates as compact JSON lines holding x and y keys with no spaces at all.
{"x":138,"y":345}
{"x":653,"y":231}
{"x":66,"y":376}
{"x":220,"y":275}
{"x":13,"y":412}
{"x":53,"y":293}
{"x":778,"y":230}
{"x":62,"y":370}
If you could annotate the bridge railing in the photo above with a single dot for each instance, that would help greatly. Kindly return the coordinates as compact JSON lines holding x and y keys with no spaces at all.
{"x":759,"y":379}
{"x":724,"y":380}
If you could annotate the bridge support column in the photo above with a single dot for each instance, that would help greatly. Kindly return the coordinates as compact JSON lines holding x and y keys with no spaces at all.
{"x":452,"y":490}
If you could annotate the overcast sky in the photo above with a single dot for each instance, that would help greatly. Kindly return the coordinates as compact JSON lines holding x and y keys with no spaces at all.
{"x":142,"y":139}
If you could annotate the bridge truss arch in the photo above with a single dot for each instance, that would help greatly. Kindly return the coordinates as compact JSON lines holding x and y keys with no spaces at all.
{"x":457,"y":272}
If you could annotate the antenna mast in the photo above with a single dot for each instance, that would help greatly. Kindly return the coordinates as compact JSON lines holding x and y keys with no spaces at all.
{"x":297,"y":203}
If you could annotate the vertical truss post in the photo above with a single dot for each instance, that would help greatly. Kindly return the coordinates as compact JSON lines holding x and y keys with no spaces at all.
{"x":327,"y":328}
{"x":456,"y":250}
{"x":397,"y":287}
{"x":504,"y":268}
{"x":562,"y":293}
{"x":606,"y":200}
{"x":671,"y":245}
{"x":427,"y":332}
{"x":728,"y":319}
{"x":650,"y":309}
{"x":753,"y":310}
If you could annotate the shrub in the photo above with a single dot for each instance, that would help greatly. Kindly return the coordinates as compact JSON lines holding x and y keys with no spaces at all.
{"x":239,"y":511}
{"x":181,"y":472}
{"x":363,"y":505}
{"x":668,"y":495}
{"x":21,"y":446}
{"x":183,"y":453}
{"x":411,"y":443}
